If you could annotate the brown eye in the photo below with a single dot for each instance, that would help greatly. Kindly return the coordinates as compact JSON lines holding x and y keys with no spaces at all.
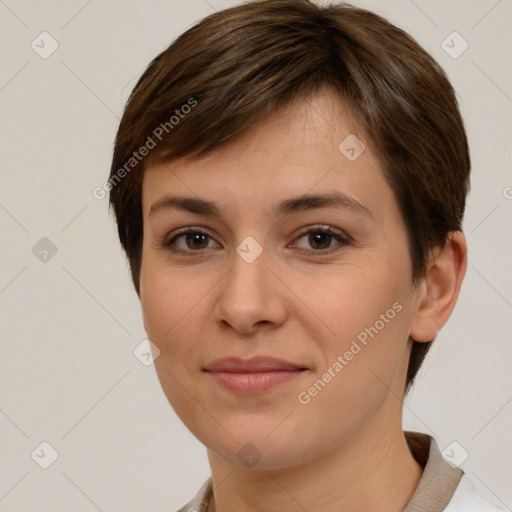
{"x":196,"y":240}
{"x":320,"y":239}
{"x":189,"y":241}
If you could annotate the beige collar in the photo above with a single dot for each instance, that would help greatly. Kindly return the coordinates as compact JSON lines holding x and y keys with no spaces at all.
{"x":439,"y":479}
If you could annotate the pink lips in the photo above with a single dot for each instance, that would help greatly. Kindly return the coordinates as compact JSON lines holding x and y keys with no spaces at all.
{"x":251,"y":376}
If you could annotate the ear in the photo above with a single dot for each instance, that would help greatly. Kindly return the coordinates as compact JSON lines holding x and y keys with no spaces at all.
{"x":440,"y":287}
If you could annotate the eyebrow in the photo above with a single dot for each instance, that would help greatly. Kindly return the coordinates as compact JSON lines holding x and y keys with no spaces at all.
{"x":285,"y":207}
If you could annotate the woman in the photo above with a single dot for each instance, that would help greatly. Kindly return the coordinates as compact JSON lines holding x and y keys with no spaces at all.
{"x":289,"y":183}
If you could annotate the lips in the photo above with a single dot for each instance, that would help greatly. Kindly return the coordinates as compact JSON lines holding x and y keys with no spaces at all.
{"x":256,"y":364}
{"x":256,"y":375}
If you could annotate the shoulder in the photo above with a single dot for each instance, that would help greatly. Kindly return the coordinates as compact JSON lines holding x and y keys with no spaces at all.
{"x":466,"y":499}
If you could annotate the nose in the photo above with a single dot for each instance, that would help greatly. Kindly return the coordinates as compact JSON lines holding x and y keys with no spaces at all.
{"x":250,"y":296}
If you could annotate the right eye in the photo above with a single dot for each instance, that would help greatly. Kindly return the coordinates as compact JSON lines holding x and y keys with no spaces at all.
{"x":192,"y":240}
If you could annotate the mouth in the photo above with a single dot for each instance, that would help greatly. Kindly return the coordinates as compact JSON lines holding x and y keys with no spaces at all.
{"x":253,"y":376}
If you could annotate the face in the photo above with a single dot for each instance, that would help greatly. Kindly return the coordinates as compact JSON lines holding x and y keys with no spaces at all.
{"x":310,"y":300}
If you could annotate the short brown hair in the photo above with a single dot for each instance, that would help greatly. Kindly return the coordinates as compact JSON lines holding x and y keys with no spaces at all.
{"x":241,"y":64}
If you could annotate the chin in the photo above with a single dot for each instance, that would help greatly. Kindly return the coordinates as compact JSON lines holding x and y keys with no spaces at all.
{"x":265,"y":445}
{"x":258,"y":455}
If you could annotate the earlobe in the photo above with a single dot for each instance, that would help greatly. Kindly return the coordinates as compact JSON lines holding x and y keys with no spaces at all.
{"x":440,"y":287}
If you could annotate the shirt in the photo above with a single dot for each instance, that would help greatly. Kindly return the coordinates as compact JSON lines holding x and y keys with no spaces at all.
{"x":442,"y":487}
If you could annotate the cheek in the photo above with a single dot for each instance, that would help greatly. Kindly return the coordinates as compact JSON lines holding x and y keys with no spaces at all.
{"x":171,"y":317}
{"x":356,"y":300}
{"x":362,"y":362}
{"x":368,"y":313}
{"x":170,"y":306}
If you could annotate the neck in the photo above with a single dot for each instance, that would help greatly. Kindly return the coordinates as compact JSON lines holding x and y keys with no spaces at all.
{"x":369,"y":471}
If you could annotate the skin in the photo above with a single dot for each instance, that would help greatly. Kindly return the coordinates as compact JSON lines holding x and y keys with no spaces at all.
{"x":345,"y":449}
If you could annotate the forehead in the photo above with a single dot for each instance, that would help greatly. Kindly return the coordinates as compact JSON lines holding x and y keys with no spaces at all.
{"x":313,"y":146}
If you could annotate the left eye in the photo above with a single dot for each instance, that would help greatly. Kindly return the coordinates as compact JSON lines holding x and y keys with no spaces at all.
{"x":321,"y":238}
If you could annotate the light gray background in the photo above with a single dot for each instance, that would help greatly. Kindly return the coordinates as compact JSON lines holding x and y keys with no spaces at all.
{"x":70,"y":324}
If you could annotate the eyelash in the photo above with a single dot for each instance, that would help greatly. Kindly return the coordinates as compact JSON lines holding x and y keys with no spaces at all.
{"x":343,"y":240}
